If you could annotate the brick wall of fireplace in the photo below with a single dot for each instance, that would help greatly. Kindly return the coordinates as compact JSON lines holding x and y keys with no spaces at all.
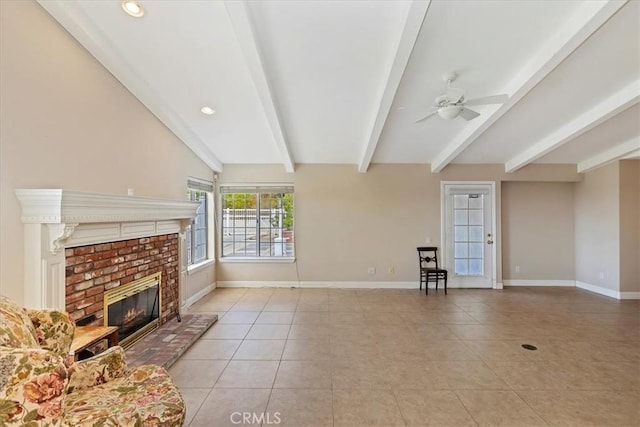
{"x":91,"y":270}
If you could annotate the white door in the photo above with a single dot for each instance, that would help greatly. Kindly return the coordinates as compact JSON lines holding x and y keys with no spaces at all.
{"x":468,"y":234}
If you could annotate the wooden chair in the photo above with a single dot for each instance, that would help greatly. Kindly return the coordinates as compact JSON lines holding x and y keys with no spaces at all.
{"x":430,"y":271}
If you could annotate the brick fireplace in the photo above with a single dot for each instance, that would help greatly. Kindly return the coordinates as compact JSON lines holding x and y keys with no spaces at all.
{"x":91,"y":270}
{"x":77,"y":245}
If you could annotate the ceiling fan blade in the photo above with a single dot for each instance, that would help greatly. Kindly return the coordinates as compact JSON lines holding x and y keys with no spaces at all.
{"x":486,"y":100}
{"x":468,"y":114}
{"x":426,"y":117}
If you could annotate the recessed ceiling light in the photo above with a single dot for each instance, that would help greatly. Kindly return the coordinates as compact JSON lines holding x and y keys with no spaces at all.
{"x":207,"y":110}
{"x":133,"y":8}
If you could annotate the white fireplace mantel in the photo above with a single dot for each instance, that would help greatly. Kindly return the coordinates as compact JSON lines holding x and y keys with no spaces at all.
{"x":55,"y":219}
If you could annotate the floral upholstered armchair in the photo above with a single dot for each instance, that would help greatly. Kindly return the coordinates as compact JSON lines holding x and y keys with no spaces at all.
{"x":40,"y":387}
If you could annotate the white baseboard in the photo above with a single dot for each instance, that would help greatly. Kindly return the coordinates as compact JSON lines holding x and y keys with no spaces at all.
{"x":607,"y":292}
{"x":518,"y":282}
{"x":198,"y":296}
{"x":498,"y":285}
{"x":317,"y":284}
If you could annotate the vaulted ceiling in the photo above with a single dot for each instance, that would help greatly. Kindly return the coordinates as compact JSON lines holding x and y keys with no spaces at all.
{"x":306,"y":81}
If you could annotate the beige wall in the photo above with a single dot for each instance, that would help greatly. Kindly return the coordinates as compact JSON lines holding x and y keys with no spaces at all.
{"x":597,"y":228}
{"x":630,"y":226}
{"x":66,"y":122}
{"x":347,"y":221}
{"x":538,"y":230}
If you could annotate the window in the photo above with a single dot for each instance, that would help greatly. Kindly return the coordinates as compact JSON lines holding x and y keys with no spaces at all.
{"x":198,"y":247}
{"x":468,"y":221}
{"x":257,"y":222}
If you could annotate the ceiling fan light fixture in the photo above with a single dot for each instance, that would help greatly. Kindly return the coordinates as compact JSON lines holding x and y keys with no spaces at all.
{"x":133,"y":8}
{"x":449,"y":112}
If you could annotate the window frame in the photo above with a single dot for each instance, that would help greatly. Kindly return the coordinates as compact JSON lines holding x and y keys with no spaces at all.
{"x":256,"y":190}
{"x":208,"y":188}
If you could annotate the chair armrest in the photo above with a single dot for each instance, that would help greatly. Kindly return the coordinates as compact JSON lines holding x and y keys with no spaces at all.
{"x":32,"y":384}
{"x":98,"y":369}
{"x":54,"y":329}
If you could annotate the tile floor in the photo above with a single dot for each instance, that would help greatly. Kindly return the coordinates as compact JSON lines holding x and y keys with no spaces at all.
{"x":331,"y":357}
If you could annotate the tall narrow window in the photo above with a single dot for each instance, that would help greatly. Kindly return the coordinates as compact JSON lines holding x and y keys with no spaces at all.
{"x":257,"y":222}
{"x":199,"y":231}
{"x":468,"y":234}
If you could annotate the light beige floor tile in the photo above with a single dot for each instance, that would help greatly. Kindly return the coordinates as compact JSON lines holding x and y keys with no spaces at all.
{"x":313,"y":306}
{"x":268,"y":332}
{"x":411,"y":375}
{"x":302,"y":408}
{"x":304,"y":374}
{"x":229,"y":331}
{"x":366,"y":408}
{"x":280,"y":306}
{"x":449,"y":351}
{"x":209,"y":306}
{"x":359,"y":374}
{"x":307,"y":350}
{"x":528,"y":375}
{"x":309,"y":331}
{"x":248,"y":374}
{"x":196,"y":373}
{"x":193,"y":398}
{"x":498,"y":350}
{"x":260,"y":350}
{"x":212,"y":349}
{"x":498,"y":408}
{"x":275,"y":317}
{"x":311,"y":318}
{"x":247,"y":306}
{"x":346,"y":350}
{"x":585,"y":408}
{"x":246,"y":317}
{"x":470,"y":375}
{"x":432,"y":408}
{"x":225,"y":407}
{"x":579,"y":375}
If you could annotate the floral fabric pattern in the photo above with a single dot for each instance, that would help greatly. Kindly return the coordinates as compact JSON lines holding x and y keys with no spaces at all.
{"x":97,"y":370}
{"x":38,"y":389}
{"x":16,"y":330}
{"x":33,"y":383}
{"x":143,"y":396}
{"x":54,"y":330}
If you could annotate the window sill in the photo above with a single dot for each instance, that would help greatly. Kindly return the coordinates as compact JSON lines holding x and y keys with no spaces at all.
{"x":194,"y":268}
{"x":260,"y":260}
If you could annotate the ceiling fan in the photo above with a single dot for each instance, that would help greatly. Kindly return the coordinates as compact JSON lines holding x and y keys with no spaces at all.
{"x":453,"y":104}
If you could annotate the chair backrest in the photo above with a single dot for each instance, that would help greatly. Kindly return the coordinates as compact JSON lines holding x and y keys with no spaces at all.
{"x":16,"y":328}
{"x":428,"y":256}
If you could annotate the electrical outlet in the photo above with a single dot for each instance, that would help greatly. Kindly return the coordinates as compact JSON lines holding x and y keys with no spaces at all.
{"x":392,"y":270}
{"x":371,"y":270}
{"x":601,"y":275}
{"x":517,"y":269}
{"x":428,"y":240}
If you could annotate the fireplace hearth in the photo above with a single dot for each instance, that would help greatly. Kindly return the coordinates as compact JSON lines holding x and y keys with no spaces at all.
{"x":135,"y":308}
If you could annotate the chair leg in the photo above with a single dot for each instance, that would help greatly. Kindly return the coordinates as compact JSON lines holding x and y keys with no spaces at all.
{"x":445,"y":282}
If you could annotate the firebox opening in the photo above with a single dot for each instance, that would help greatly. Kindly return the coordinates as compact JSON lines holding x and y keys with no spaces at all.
{"x":134,"y":308}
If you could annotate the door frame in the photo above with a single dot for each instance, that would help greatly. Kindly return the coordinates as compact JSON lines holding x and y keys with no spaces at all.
{"x":494,"y":215}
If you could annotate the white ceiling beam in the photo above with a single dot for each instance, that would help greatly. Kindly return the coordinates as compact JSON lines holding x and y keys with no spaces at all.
{"x":586,"y":21}
{"x":241,"y":21}
{"x":415,"y":17}
{"x":602,"y":112}
{"x":626,"y":149}
{"x":89,"y":36}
